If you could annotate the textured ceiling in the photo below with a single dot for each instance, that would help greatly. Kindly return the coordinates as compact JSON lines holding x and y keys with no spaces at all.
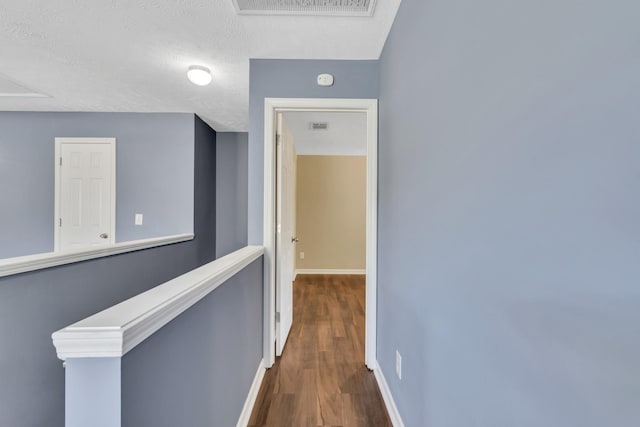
{"x":345,"y":136}
{"x":121,"y":55}
{"x":10,"y":88}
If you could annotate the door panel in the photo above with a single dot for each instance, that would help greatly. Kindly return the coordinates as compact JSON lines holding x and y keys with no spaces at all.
{"x":285,"y":217}
{"x":86,"y":174}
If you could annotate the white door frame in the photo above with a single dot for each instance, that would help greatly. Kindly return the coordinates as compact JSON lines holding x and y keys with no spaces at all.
{"x":57,"y":193}
{"x":271,"y":107}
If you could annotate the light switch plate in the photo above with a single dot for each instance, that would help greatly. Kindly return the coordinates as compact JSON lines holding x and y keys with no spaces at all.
{"x":139,"y":219}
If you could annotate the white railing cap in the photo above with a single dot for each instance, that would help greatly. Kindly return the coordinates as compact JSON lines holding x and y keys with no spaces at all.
{"x":22,"y":264}
{"x":118,"y":329}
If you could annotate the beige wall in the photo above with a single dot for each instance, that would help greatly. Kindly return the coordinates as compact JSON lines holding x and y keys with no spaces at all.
{"x":331,"y":212}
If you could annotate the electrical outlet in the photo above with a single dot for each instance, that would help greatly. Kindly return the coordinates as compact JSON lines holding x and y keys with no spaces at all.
{"x":301,"y":255}
{"x":398,"y":365}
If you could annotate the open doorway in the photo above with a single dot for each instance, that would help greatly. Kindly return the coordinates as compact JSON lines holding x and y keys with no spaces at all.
{"x":277,"y":290}
{"x":331,"y":188}
{"x":321,"y":170}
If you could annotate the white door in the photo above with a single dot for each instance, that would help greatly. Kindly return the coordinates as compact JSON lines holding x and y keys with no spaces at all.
{"x":85,"y":193}
{"x":285,"y":218}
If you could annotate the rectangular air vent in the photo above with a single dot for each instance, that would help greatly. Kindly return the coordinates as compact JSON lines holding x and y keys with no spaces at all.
{"x":318,"y":126}
{"x":305,"y":7}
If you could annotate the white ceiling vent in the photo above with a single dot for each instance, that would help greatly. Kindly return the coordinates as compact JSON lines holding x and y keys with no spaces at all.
{"x":318,"y":125}
{"x":305,"y":7}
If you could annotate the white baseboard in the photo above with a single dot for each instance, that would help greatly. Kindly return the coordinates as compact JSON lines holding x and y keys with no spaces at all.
{"x":392,"y":409}
{"x":252,"y":396}
{"x":330,"y":271}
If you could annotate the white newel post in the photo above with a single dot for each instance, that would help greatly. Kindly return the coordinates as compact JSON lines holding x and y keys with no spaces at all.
{"x":93,"y":392}
{"x":93,"y":348}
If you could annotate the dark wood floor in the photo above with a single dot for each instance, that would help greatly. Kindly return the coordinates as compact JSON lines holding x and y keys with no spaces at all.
{"x":321,"y":380}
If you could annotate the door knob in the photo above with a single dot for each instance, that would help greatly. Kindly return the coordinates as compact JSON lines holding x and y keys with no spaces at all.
{"x":104,"y":236}
{"x":294,"y":240}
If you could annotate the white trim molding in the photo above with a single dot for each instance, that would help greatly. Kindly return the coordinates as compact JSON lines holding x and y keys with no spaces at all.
{"x":118,"y":329}
{"x":272,"y":106}
{"x":392,"y":409}
{"x":245,"y":415}
{"x":331,"y":271}
{"x":22,"y":264}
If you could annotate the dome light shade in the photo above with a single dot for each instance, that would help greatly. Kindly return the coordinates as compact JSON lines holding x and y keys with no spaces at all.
{"x":199,"y":75}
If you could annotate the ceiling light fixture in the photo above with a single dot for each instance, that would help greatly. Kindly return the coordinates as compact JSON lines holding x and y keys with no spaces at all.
{"x":199,"y":75}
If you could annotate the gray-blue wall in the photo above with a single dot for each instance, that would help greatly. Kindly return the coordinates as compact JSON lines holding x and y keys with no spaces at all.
{"x":509,"y":232}
{"x":198,"y":369}
{"x":33,"y":305}
{"x":147,"y":146}
{"x":231,"y":191}
{"x":205,"y":189}
{"x":283,"y":78}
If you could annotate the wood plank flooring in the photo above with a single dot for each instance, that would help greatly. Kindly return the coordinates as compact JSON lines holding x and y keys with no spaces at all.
{"x":321,"y":380}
